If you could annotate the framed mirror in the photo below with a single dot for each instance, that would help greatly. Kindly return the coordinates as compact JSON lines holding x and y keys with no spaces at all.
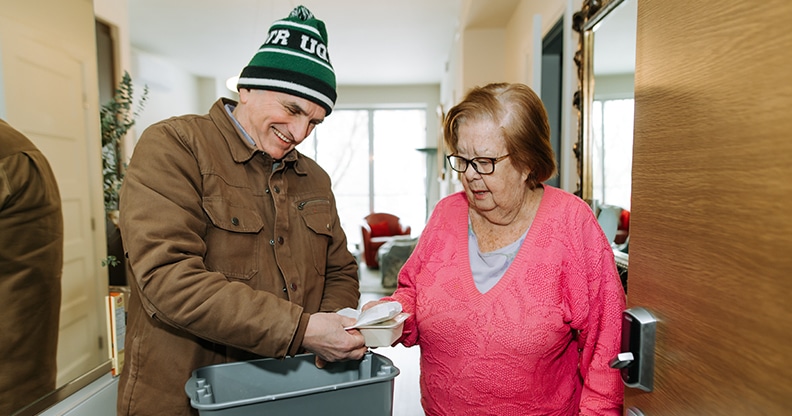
{"x":57,"y":107}
{"x":604,"y":101}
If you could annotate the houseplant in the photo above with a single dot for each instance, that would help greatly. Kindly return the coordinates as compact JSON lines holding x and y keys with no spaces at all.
{"x":117,"y":117}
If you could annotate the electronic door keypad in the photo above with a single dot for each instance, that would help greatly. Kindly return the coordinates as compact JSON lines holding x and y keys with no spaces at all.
{"x":636,"y":361}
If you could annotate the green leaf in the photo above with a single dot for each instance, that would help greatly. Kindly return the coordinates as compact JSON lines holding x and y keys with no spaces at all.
{"x":117,"y":117}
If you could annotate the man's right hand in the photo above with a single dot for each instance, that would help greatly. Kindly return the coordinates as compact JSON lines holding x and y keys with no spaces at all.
{"x":326,"y":337}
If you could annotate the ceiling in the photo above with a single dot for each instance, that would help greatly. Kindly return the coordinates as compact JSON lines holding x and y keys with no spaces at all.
{"x":371,"y":42}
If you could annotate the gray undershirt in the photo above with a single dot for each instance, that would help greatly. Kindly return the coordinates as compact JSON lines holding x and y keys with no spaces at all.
{"x":489,"y":268}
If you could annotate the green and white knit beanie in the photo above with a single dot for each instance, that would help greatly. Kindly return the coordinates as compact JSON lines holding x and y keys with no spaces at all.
{"x":294,"y":60}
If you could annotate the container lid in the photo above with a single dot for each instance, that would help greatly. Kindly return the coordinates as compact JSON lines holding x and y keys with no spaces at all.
{"x":379,"y":313}
{"x":390,"y":323}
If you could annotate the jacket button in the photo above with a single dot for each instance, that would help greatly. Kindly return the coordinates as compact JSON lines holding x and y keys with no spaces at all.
{"x":277,"y":190}
{"x":235,"y":221}
{"x":327,"y":226}
{"x":280,"y":240}
{"x":293,"y":286}
{"x":272,"y":242}
{"x":284,"y":288}
{"x":266,"y":191}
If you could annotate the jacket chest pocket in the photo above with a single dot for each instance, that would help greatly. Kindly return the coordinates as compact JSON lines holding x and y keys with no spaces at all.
{"x":232,"y":239}
{"x":316,"y":214}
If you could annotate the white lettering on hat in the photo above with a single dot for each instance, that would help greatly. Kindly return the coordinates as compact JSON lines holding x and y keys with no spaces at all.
{"x":321,"y":51}
{"x":278,"y":36}
{"x":297,"y":54}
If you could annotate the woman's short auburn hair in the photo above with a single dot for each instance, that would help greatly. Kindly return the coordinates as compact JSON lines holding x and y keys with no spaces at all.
{"x":523,"y":122}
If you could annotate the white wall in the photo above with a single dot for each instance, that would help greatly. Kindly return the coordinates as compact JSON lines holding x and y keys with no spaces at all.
{"x":614,"y":86}
{"x":172,"y":91}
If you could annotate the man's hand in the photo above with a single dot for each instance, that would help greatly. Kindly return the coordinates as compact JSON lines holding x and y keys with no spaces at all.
{"x":326,"y":337}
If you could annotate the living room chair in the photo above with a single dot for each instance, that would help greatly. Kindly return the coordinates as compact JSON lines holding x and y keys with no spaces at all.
{"x":392,"y":256}
{"x":615,"y":223}
{"x":379,"y":228}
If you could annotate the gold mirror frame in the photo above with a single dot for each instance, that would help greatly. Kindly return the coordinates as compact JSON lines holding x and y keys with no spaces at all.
{"x":583,"y":22}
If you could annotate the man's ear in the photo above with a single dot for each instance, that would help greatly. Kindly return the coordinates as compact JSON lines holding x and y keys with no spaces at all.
{"x":244,"y":93}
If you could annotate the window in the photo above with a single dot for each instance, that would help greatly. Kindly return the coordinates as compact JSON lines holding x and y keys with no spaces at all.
{"x":612,"y":158}
{"x":372,"y":158}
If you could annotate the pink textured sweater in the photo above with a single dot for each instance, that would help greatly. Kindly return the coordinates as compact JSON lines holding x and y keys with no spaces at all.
{"x":539,"y":341}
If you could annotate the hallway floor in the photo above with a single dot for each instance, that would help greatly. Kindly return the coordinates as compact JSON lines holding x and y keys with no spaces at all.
{"x":407,"y":393}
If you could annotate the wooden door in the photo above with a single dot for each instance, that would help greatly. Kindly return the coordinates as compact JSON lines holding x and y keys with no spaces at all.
{"x":711,"y":226}
{"x":49,"y":92}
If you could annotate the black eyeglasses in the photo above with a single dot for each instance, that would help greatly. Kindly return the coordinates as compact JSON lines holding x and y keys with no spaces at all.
{"x":482,"y":165}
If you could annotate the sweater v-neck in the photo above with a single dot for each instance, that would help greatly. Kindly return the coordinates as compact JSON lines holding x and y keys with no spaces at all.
{"x":523,"y":254}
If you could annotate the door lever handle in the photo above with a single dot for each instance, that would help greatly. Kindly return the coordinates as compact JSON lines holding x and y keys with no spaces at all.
{"x":622,"y":360}
{"x":636,"y":361}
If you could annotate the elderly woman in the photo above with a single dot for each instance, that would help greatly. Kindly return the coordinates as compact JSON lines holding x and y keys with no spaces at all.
{"x":513,"y":292}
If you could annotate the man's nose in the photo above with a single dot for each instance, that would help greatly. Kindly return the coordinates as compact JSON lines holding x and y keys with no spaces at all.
{"x":302,"y":130}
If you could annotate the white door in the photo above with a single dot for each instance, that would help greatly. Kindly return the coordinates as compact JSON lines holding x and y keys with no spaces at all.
{"x":48,"y":92}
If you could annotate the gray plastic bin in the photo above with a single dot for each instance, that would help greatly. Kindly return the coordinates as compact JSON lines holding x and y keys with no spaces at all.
{"x":294,"y":386}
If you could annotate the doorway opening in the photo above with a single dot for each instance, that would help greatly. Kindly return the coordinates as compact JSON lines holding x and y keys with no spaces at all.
{"x":552,"y":76}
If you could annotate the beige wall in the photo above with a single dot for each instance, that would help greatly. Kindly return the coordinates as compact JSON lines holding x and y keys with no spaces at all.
{"x":519,"y":39}
{"x":500,"y":46}
{"x":496,"y":44}
{"x":483,"y":57}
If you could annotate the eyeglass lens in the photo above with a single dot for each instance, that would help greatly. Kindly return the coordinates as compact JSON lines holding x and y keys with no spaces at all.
{"x":480,"y":164}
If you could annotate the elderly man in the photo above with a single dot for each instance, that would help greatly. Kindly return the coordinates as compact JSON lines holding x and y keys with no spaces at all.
{"x":234,"y":244}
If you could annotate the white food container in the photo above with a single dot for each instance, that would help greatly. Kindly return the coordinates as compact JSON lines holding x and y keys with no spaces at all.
{"x":384,"y":334}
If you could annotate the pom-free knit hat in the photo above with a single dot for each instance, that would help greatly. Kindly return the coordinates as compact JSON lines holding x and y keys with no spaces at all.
{"x":294,"y":60}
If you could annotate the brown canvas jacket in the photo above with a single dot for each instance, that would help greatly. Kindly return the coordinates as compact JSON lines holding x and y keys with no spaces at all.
{"x":228,"y":254}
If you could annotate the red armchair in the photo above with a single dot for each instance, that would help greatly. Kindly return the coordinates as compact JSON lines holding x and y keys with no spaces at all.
{"x":379,"y":228}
